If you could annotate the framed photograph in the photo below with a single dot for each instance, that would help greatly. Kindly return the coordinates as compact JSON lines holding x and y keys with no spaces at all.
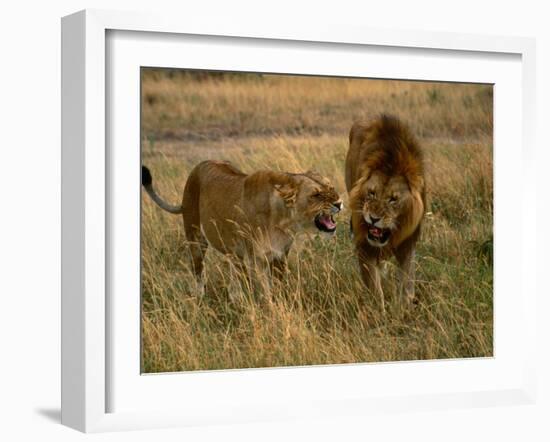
{"x":263,"y":224}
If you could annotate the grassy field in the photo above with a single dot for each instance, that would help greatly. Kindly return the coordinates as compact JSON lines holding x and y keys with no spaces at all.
{"x":320,"y":313}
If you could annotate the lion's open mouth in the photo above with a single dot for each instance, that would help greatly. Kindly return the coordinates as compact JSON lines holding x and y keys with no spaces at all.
{"x":378,"y":234}
{"x":325,"y":223}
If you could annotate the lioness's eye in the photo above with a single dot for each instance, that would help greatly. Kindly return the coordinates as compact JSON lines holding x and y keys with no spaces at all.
{"x":371,"y":193}
{"x":393,"y":199}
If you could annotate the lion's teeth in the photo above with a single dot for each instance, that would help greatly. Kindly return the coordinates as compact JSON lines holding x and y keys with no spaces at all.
{"x":375,"y":231}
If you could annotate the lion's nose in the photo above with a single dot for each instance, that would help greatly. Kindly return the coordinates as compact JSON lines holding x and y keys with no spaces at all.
{"x":374,"y":220}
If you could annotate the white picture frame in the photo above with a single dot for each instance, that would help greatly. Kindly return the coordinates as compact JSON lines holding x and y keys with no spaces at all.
{"x":87,"y":319}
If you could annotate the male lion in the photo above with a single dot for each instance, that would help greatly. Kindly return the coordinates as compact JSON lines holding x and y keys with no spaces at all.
{"x":251,"y":217}
{"x":385,"y":182}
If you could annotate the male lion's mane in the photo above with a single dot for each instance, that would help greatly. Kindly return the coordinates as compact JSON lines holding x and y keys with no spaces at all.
{"x":386,"y":145}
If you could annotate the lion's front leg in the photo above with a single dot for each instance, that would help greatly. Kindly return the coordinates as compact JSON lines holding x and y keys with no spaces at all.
{"x":258,"y":265}
{"x":371,"y":276}
{"x":278,"y":267}
{"x":406,"y":259}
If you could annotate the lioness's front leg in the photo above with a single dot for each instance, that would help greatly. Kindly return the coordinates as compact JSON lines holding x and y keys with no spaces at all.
{"x":244,"y":281}
{"x":278,"y":267}
{"x":405,"y":258}
{"x":371,"y":276}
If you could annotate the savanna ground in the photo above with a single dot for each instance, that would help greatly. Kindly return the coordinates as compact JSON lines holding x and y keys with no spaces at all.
{"x":320,"y":313}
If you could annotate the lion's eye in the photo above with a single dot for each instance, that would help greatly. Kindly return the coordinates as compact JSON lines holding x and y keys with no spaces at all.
{"x":371,"y":194}
{"x":393,"y":199}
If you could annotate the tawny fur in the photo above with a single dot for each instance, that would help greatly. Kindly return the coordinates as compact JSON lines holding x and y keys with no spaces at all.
{"x":385,"y":178}
{"x":252,"y":217}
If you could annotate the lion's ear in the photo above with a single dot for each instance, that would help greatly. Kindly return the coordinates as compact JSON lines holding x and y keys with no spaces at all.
{"x":318,"y":177}
{"x":288,"y":193}
{"x":417,"y":182}
{"x":312,"y":174}
{"x":357,"y":189}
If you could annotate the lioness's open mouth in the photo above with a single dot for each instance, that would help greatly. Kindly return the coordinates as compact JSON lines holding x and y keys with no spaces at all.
{"x":325,"y":223}
{"x":378,"y":234}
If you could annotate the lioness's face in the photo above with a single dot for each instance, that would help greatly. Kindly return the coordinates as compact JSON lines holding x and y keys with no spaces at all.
{"x":317,"y":202}
{"x":383,"y":201}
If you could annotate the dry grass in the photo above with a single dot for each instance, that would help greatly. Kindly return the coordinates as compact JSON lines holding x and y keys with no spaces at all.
{"x":320,"y":313}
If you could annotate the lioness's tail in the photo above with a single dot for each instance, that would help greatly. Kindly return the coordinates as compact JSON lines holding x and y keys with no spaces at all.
{"x":147,"y":181}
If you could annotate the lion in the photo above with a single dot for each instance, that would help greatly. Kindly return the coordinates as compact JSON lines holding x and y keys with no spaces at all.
{"x":253,"y":218}
{"x":387,"y":196}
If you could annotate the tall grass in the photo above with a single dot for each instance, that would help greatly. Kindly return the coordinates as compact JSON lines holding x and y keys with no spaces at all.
{"x":320,"y":312}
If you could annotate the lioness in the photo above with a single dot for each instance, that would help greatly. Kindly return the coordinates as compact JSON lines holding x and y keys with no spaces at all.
{"x":251,"y":217}
{"x":385,"y":182}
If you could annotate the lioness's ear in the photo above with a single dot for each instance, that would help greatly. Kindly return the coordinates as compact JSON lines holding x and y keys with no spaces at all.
{"x":318,"y":177}
{"x":288,"y":193}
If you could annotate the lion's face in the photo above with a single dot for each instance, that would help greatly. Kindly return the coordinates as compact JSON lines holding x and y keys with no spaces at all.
{"x":315,"y":202}
{"x":383,"y":202}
